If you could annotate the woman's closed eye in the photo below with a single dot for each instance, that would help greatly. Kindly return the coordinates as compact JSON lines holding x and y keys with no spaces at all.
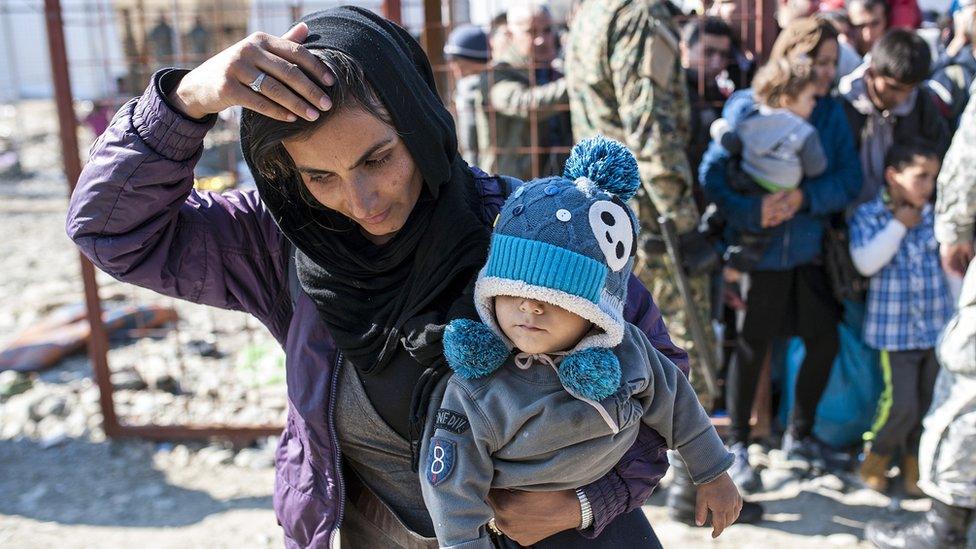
{"x":320,"y":178}
{"x":379,"y":161}
{"x":323,"y":177}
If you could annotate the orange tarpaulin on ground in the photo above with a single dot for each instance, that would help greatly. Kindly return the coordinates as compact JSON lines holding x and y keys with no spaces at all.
{"x":66,"y":331}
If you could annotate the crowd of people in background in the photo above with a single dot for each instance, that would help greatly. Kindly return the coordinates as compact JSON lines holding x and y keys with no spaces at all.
{"x":824,"y":193}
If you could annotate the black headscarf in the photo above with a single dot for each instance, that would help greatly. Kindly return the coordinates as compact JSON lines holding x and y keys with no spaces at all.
{"x":380,"y":300}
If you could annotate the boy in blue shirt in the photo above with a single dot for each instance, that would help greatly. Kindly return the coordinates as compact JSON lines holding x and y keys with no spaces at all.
{"x":908,"y":304}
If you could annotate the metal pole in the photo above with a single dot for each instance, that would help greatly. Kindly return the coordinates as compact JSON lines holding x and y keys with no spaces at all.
{"x":191,"y":431}
{"x":98,"y":344}
{"x":392,"y":11}
{"x":296,"y":11}
{"x":767,"y":31}
{"x":11,"y":61}
{"x":432,"y":40}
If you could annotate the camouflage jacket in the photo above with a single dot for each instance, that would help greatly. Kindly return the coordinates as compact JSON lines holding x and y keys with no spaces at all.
{"x":946,"y":459}
{"x":512,"y":115}
{"x":624,"y":79}
{"x":955,"y":207}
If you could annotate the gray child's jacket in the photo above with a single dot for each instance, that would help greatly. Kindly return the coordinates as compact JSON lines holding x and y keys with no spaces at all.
{"x":779,"y":149}
{"x":521,"y":428}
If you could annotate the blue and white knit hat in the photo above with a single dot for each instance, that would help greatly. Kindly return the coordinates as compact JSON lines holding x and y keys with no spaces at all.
{"x":568,"y":241}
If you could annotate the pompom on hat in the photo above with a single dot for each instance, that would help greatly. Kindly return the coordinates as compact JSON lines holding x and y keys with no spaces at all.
{"x":568,"y":241}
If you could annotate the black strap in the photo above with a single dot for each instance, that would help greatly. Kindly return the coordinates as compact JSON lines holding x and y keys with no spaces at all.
{"x":509,"y":184}
{"x":294,"y":286}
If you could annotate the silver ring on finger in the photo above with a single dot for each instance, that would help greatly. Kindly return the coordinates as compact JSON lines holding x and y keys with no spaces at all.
{"x":256,"y":85}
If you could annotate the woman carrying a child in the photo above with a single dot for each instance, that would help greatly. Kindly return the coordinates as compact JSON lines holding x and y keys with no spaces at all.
{"x":362,"y":243}
{"x":789,"y":291}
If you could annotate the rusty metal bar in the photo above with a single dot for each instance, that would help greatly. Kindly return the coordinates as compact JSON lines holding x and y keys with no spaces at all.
{"x":432,"y":40}
{"x":768,"y":29}
{"x":393,"y":11}
{"x":68,"y":127}
{"x":192,"y":431}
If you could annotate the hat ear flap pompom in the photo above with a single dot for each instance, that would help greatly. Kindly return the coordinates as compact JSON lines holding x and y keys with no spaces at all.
{"x":472,"y":350}
{"x":592,"y":373}
{"x":608,"y":163}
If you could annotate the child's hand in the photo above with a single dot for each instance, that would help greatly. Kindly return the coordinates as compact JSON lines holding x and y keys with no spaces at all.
{"x":721,"y":497}
{"x":908,"y":215}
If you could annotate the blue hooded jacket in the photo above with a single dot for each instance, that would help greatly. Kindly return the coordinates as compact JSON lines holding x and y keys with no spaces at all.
{"x":798,"y":241}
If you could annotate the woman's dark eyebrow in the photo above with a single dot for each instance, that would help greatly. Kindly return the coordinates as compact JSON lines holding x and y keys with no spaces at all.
{"x":369,"y":152}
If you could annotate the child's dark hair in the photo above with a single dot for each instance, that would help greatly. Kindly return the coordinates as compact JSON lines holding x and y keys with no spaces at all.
{"x":901,"y":155}
{"x":782,"y":78}
{"x":902,"y":55}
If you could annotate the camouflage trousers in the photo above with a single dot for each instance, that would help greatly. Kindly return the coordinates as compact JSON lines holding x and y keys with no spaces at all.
{"x":657,"y":272}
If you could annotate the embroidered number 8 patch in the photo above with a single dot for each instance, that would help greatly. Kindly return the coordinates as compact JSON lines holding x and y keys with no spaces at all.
{"x":440,"y":460}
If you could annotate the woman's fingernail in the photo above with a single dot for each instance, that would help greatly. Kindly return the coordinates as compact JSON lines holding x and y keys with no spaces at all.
{"x":325,"y":103}
{"x":311,"y":114}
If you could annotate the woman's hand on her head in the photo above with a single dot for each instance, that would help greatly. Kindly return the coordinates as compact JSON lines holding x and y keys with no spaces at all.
{"x":529,"y":517}
{"x":286,"y":92}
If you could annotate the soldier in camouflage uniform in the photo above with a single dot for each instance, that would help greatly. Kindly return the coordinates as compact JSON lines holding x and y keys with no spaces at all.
{"x":955,"y":207}
{"x":625,"y":81}
{"x":947,"y":462}
{"x":522,"y":103}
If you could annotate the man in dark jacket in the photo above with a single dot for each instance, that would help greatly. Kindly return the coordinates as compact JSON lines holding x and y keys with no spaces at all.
{"x":885,"y":104}
{"x":742,"y":62}
{"x":706,"y":44}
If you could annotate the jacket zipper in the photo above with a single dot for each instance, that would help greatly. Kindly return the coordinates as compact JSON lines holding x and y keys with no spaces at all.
{"x":337,"y":453}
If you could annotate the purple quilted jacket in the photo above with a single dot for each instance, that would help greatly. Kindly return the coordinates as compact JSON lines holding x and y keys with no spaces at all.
{"x":135,"y":214}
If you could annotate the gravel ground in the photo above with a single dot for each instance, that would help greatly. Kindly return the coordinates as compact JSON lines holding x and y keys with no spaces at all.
{"x":63,"y":485}
{"x":139,"y":494}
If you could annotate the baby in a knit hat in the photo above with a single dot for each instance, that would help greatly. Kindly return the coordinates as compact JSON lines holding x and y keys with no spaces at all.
{"x":551,"y":387}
